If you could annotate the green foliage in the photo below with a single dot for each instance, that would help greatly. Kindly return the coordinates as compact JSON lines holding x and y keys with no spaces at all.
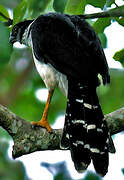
{"x":35,"y":9}
{"x":4,"y":134}
{"x":103,"y":39}
{"x":119,"y":56}
{"x":112,"y":96}
{"x":5,"y":47}
{"x":19,"y":13}
{"x":4,"y":12}
{"x":120,"y":21}
{"x":75,"y":7}
{"x":10,"y":170}
{"x":59,"y":6}
{"x":100,"y":24}
{"x":97,"y":3}
{"x":29,"y":9}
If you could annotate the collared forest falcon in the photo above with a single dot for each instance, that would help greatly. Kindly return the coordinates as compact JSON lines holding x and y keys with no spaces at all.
{"x":68,"y":55}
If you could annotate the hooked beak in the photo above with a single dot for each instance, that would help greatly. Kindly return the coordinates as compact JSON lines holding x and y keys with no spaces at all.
{"x":12,"y":39}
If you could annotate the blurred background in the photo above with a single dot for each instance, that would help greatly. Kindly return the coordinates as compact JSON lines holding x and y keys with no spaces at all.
{"x":23,"y":91}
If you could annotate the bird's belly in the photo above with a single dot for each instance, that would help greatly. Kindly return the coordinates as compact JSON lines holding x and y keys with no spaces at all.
{"x":51,"y":76}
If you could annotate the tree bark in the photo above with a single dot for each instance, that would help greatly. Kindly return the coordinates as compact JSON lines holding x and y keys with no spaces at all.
{"x":113,"y":13}
{"x":28,"y":139}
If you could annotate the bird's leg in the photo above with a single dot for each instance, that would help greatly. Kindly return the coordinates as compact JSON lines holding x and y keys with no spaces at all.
{"x":44,"y":121}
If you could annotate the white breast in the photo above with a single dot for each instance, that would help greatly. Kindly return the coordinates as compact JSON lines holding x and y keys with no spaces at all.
{"x":51,"y":76}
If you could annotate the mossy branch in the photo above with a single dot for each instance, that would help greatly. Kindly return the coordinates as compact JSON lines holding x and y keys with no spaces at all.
{"x":28,"y":139}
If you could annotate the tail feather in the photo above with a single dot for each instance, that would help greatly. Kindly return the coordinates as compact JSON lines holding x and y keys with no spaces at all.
{"x":80,"y":156}
{"x":85,"y":132}
{"x":101,"y":162}
{"x":78,"y":145}
{"x":111,"y":146}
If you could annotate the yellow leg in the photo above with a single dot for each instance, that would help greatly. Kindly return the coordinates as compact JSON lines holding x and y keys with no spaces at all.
{"x":44,"y":122}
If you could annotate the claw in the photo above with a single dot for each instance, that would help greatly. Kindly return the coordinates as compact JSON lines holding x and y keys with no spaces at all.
{"x":43,"y":123}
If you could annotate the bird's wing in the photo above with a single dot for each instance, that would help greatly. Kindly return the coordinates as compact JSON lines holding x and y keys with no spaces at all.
{"x":71,"y":47}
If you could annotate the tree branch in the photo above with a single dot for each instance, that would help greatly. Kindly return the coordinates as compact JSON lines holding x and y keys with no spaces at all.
{"x":115,"y":12}
{"x":8,"y":22}
{"x":28,"y":139}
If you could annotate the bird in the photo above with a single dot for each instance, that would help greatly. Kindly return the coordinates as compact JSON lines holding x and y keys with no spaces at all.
{"x":68,"y":54}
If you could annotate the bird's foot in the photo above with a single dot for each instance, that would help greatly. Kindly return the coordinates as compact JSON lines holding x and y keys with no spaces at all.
{"x":43,"y":123}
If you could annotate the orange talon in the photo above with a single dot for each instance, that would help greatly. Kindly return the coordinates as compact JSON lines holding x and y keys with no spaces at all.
{"x":44,"y":122}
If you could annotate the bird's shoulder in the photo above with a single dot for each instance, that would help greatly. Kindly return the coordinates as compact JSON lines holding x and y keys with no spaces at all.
{"x":53,"y":22}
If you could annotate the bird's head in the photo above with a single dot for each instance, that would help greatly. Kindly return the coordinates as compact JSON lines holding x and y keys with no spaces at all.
{"x":18,"y":31}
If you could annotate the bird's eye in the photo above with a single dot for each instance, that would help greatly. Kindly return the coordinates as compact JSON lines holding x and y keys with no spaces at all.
{"x":15,"y":30}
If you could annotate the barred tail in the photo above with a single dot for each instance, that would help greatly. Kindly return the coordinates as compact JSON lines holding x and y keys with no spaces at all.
{"x":85,"y":132}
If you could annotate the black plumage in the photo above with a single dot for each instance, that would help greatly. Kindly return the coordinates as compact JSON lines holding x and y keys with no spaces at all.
{"x":69,"y":45}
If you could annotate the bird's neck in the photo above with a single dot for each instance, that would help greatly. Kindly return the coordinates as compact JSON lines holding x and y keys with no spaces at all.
{"x":26,"y":38}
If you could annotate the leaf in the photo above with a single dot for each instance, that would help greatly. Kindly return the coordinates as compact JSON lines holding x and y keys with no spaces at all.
{"x":5,"y":47}
{"x":120,"y":21}
{"x":75,"y":6}
{"x":97,"y":3}
{"x":16,"y":168}
{"x":101,"y":24}
{"x":103,"y":39}
{"x":35,"y":9}
{"x":59,"y":5}
{"x":4,"y":12}
{"x":119,"y":56}
{"x":20,"y":12}
{"x":114,"y":92}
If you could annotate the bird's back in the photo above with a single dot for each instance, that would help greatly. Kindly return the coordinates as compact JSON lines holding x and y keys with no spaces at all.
{"x":70,"y":42}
